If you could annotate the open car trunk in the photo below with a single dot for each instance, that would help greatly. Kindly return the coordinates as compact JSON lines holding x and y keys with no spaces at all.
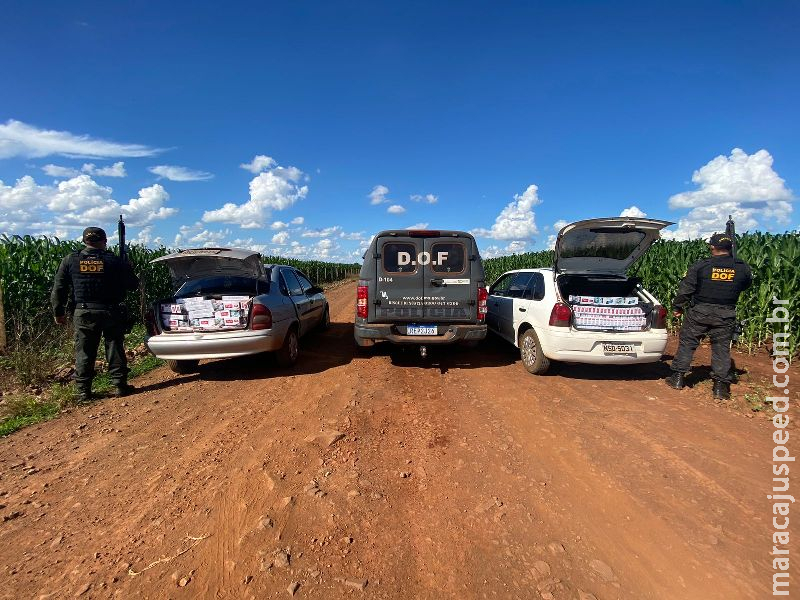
{"x":214,"y":287}
{"x":221,"y":312}
{"x":606,"y":302}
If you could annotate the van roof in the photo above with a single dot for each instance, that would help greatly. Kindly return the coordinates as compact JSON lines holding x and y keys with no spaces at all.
{"x":424,"y":233}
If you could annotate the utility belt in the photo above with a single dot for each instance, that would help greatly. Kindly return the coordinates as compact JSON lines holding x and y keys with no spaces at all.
{"x":697,"y":301}
{"x":97,"y":306}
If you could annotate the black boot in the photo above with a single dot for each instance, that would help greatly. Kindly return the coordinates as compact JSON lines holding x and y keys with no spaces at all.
{"x":721,"y":390}
{"x":85,"y":395}
{"x":675,"y":381}
{"x":123,"y":389}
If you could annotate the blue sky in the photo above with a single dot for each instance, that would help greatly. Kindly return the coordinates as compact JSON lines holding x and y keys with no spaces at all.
{"x":302,"y":128}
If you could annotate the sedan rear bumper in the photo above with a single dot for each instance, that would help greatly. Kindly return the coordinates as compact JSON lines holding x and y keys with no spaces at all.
{"x":216,"y":344}
{"x":368,"y":334}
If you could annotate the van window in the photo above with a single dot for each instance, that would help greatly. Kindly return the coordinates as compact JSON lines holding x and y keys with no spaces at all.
{"x":449,"y":257}
{"x":399,"y":258}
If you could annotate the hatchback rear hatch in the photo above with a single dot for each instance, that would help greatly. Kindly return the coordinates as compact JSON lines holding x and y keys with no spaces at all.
{"x":604,"y":246}
{"x":591,"y":262}
{"x":425,"y":276}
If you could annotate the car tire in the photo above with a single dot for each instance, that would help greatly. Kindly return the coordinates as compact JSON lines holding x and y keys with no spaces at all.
{"x":530,"y":350}
{"x":288,"y":353}
{"x":182,"y":367}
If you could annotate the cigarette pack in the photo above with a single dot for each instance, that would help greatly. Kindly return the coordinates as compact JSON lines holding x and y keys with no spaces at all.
{"x":203,"y":313}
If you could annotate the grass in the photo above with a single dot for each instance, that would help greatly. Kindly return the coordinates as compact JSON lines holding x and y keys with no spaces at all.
{"x":26,"y":366}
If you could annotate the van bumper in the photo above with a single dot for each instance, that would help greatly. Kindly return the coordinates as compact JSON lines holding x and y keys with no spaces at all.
{"x":449,"y":333}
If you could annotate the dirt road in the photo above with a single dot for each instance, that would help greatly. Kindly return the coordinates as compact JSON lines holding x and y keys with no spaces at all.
{"x":386,"y":476}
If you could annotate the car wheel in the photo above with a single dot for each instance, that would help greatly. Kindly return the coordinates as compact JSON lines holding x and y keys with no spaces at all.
{"x":182,"y":367}
{"x":531,"y":351}
{"x":288,"y":353}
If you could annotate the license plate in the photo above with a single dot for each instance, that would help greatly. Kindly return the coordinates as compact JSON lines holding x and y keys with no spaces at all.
{"x":619,"y":349}
{"x":414,"y":329}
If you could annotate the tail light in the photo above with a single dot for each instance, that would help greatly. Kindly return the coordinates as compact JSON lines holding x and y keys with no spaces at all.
{"x":659,"y":317}
{"x":483,"y":296}
{"x":362,"y":297}
{"x":261,"y":317}
{"x":561,"y":315}
{"x":150,"y":322}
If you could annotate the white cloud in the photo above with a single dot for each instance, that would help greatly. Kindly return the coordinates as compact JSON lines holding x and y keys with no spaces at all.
{"x":175,"y":173}
{"x":208,"y":238}
{"x":278,"y":225}
{"x":427,"y":198}
{"x":281,"y":238}
{"x":418,"y":226}
{"x":516,"y":247}
{"x":275,"y":189}
{"x":73,"y":203}
{"x":298,"y":221}
{"x":60,"y":172}
{"x":557,"y":226}
{"x":744,"y":186}
{"x":21,"y":139}
{"x":258,"y":164}
{"x":396,"y":209}
{"x":378,"y":195}
{"x":355,"y":235}
{"x":634,"y":212}
{"x":517,"y":220}
{"x":115,"y":170}
{"x":323,"y":233}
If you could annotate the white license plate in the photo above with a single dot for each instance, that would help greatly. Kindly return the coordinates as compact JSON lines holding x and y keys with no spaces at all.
{"x":421,"y":330}
{"x":619,"y":349}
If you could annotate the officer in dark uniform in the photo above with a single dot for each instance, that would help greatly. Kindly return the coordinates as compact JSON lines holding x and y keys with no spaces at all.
{"x":99,"y":281}
{"x":707,"y":300}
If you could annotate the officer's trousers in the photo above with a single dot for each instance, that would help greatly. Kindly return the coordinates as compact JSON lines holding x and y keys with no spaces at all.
{"x":718,"y":322}
{"x":90,"y":325}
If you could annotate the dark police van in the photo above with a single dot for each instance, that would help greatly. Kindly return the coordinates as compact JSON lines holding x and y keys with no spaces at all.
{"x":421,"y":287}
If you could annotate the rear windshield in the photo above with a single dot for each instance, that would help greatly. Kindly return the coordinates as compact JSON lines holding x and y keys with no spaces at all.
{"x":399,"y":258}
{"x":602,"y":243}
{"x":449,"y":257}
{"x":213,"y":286}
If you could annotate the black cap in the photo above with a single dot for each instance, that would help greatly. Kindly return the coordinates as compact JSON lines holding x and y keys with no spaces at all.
{"x":721,"y":240}
{"x":94,"y":234}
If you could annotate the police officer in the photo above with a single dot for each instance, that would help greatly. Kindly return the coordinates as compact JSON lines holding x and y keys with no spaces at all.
{"x":99,"y":281}
{"x":707,"y":300}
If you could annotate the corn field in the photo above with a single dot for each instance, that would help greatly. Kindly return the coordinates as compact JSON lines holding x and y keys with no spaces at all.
{"x":774,"y":259}
{"x":28,"y":265}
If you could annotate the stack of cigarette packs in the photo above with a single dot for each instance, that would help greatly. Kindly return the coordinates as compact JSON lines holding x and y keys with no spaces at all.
{"x":608,"y":312}
{"x":191,"y":314}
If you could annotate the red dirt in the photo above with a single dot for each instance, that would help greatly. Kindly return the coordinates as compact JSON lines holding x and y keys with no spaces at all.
{"x":459,"y":476}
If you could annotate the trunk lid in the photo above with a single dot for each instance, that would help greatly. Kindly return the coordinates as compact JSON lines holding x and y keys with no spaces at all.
{"x":200,"y":263}
{"x":607,"y":246}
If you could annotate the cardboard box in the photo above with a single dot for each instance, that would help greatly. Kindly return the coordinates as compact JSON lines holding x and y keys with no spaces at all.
{"x":201,"y":314}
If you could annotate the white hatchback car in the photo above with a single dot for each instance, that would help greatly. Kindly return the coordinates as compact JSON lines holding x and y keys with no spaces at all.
{"x":585,"y":308}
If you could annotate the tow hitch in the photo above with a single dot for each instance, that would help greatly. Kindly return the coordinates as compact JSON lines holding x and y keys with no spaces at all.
{"x":423,"y":351}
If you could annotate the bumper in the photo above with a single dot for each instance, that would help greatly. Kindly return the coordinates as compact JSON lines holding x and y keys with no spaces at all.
{"x":569,"y":345}
{"x":200,"y":345}
{"x":450,"y":333}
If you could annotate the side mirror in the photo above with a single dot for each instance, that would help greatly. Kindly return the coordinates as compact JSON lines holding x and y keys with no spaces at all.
{"x":313,"y":290}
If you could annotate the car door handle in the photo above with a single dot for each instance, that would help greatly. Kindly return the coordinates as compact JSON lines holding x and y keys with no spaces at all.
{"x":522,"y":309}
{"x":437,"y":281}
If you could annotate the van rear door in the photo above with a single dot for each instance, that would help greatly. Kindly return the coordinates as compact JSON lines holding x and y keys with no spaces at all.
{"x":449,"y":288}
{"x":400,"y":283}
